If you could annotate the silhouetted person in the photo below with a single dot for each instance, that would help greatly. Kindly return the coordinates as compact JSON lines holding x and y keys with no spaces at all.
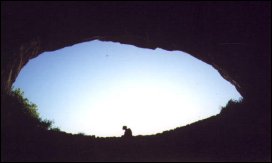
{"x":128,"y":132}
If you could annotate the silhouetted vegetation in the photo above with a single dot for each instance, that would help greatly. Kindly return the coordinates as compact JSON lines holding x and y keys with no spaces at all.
{"x":80,"y":134}
{"x":238,"y":133}
{"x":55,"y":129}
{"x":29,"y":110}
{"x":231,"y":105}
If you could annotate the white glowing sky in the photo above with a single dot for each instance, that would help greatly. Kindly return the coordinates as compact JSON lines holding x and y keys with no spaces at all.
{"x":97,"y":87}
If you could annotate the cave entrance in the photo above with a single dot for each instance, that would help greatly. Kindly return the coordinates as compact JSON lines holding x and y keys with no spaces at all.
{"x":97,"y":87}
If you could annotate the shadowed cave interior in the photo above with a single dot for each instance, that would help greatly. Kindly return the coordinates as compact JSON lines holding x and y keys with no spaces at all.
{"x":232,"y":37}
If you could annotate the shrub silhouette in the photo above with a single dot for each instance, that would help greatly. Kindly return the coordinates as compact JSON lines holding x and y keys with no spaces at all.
{"x":231,"y":106}
{"x":81,"y":134}
{"x":55,"y":129}
{"x":31,"y":108}
{"x":23,"y":114}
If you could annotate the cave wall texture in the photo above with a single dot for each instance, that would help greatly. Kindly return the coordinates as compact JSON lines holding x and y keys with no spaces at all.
{"x":233,"y":37}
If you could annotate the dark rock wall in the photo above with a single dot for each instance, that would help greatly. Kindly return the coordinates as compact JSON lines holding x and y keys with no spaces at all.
{"x":234,"y":37}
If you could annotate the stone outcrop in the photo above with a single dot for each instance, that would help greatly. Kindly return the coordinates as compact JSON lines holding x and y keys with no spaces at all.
{"x":233,"y":37}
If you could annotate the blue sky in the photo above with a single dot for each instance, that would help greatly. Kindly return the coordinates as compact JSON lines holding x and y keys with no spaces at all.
{"x":97,"y":87}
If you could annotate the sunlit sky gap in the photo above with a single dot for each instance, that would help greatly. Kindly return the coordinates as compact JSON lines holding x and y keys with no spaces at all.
{"x":97,"y":87}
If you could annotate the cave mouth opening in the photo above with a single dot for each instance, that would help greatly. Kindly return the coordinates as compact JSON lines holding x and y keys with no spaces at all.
{"x":97,"y":87}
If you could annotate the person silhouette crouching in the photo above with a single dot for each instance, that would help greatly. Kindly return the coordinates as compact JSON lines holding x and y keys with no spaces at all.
{"x":128,"y":132}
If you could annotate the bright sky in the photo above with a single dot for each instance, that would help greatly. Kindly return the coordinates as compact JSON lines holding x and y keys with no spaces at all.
{"x":98,"y":87}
